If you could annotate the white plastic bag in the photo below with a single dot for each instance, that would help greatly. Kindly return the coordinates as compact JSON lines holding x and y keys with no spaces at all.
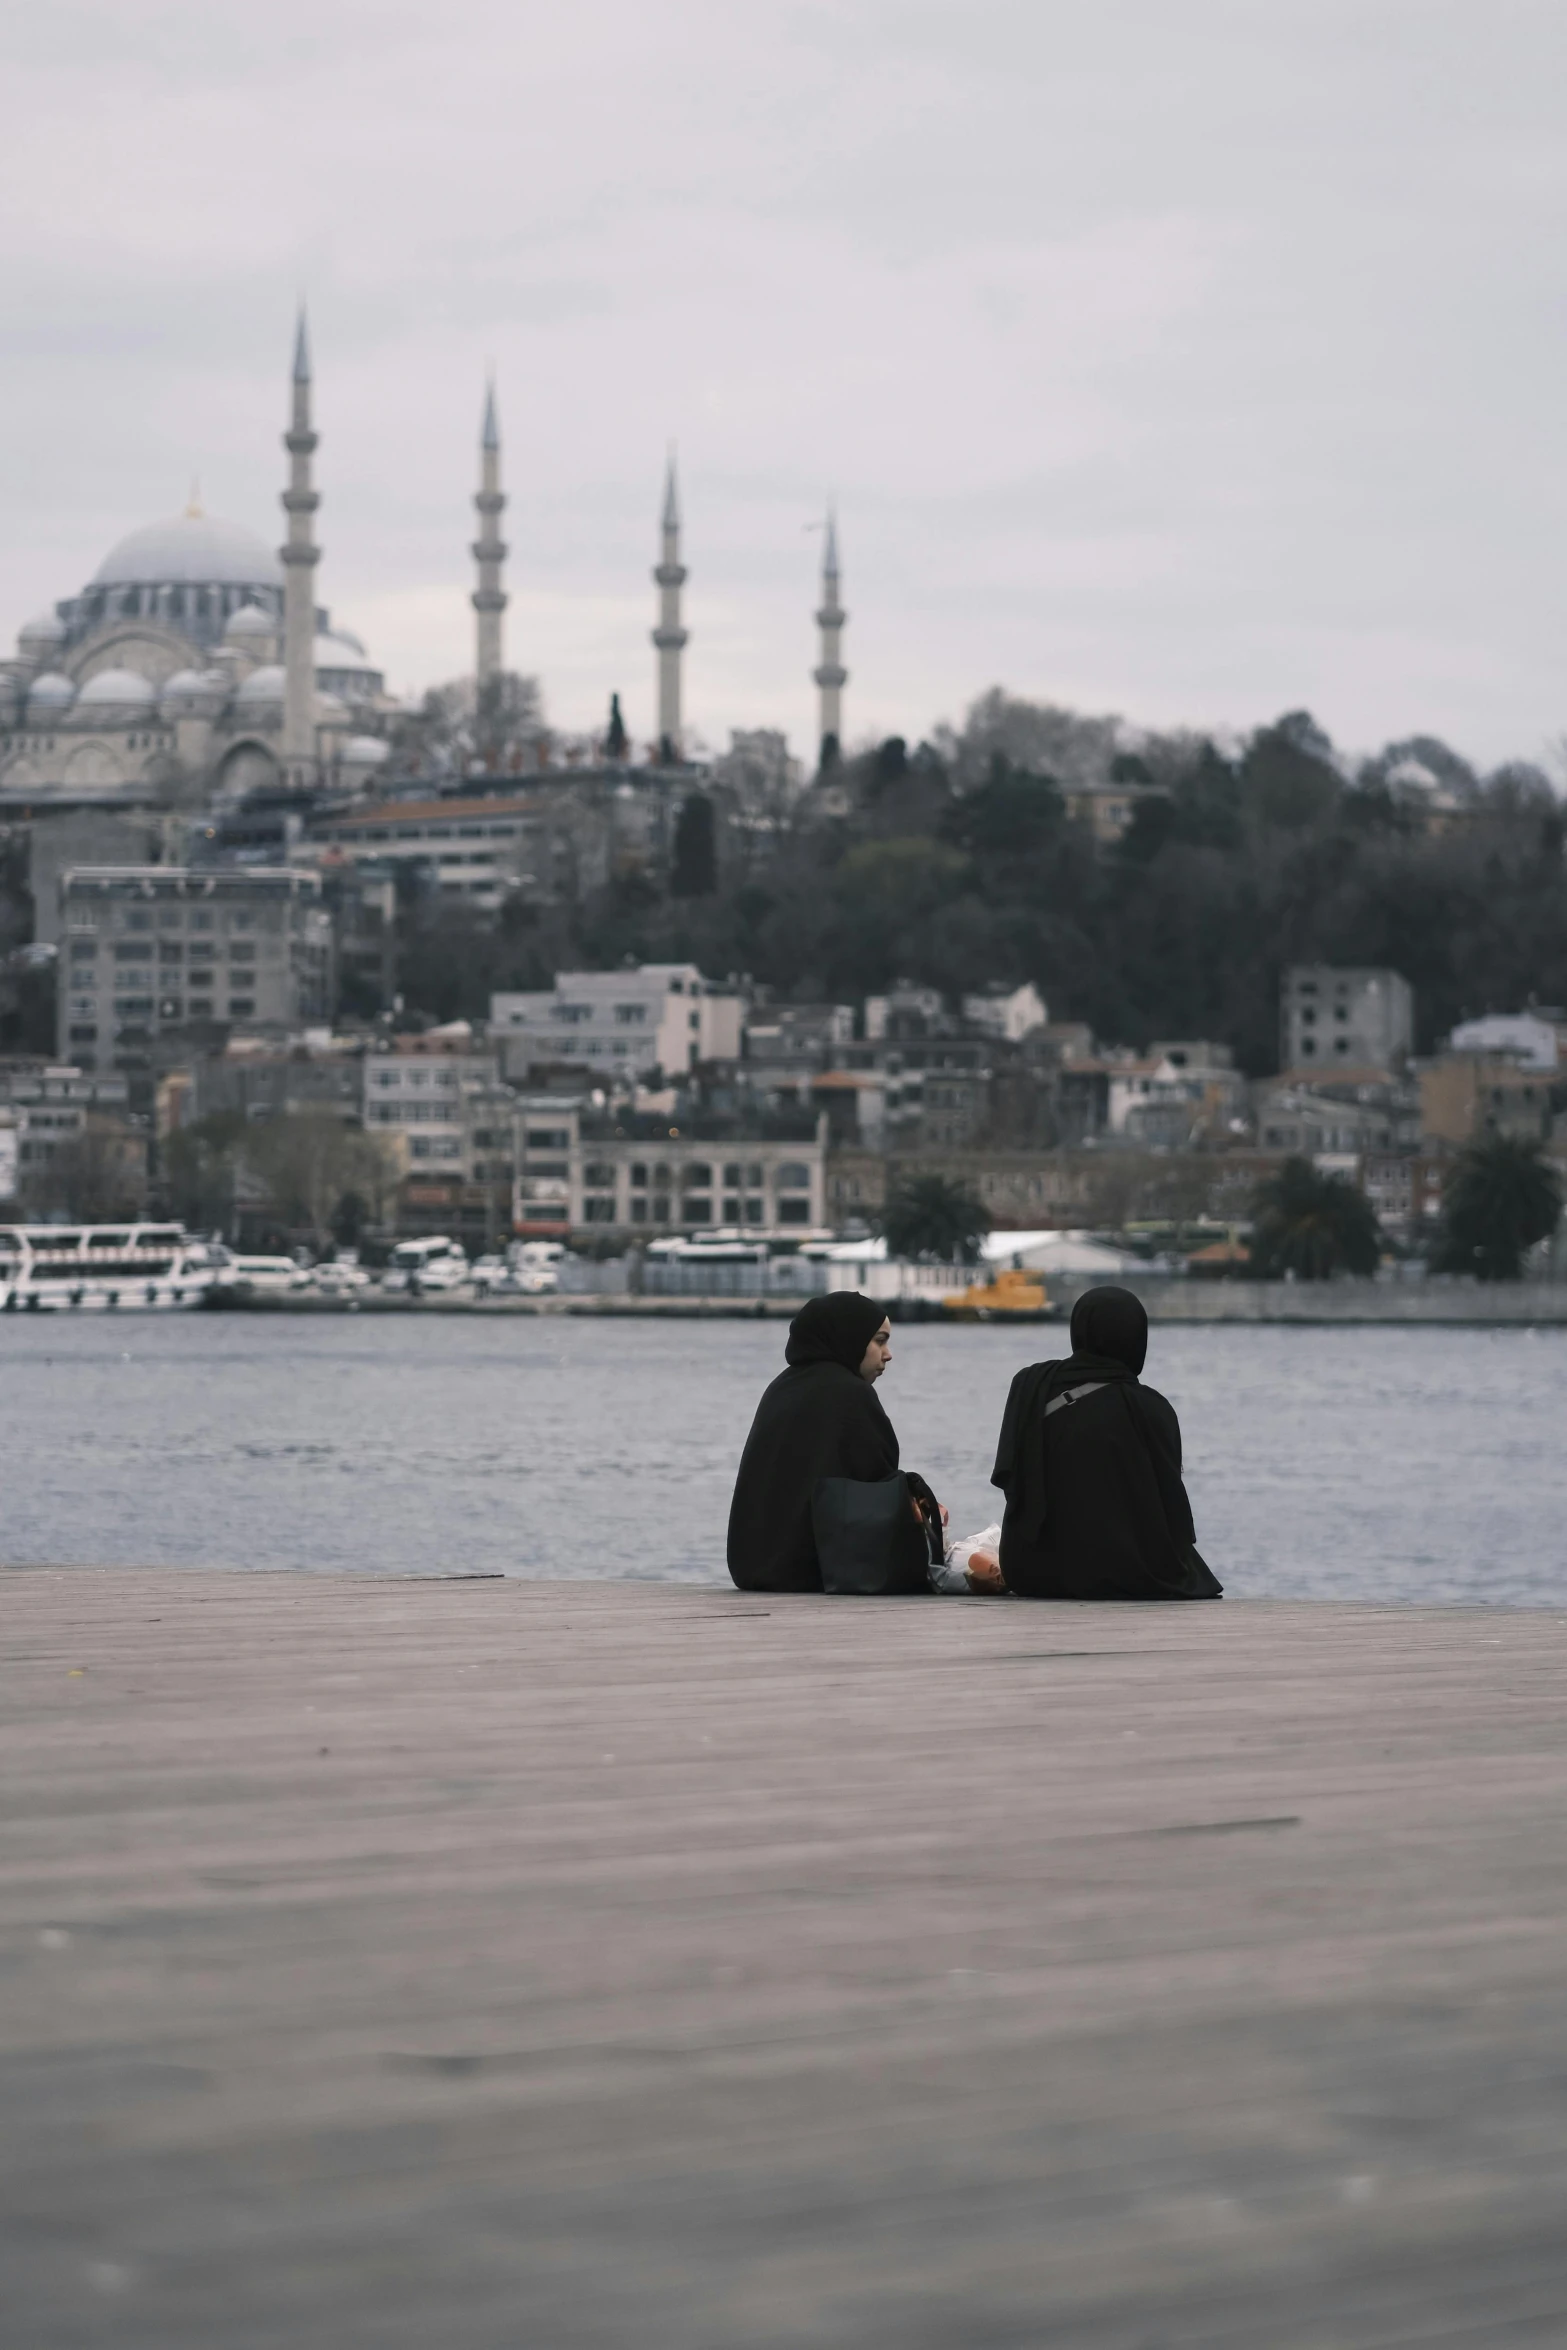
{"x":953,"y":1573}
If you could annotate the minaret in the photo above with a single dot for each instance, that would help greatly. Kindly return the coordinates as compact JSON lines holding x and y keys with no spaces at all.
{"x":669,"y":636}
{"x":300,"y":557}
{"x":489,"y":550}
{"x":831,"y":675}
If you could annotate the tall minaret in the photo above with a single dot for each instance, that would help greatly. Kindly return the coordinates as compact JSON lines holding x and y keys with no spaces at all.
{"x":489,"y":549}
{"x":830,"y":674}
{"x":669,"y":636}
{"x":300,"y":557}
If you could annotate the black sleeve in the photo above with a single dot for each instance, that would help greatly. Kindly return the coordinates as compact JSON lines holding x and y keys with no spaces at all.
{"x":1163,"y":1431}
{"x":869,"y":1443}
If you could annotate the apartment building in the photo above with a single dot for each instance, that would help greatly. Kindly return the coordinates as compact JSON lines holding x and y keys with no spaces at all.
{"x":149,"y":952}
{"x":1357,"y":1018}
{"x":641,"y":1177}
{"x":430,"y":1095}
{"x":618,"y":1024}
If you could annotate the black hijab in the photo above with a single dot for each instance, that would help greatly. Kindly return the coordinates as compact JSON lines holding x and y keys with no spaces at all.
{"x":1150,"y":1534}
{"x":818,"y":1419}
{"x":834,"y":1329}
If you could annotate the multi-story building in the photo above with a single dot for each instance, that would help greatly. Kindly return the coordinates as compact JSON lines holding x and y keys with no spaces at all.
{"x":1008,"y":1013}
{"x":641,"y":1177}
{"x":1351,"y":1018}
{"x":618,"y":1024}
{"x":149,"y":953}
{"x":418,"y":1096}
{"x":1465,"y":1097}
{"x":798,"y":1036}
{"x":49,"y":1109}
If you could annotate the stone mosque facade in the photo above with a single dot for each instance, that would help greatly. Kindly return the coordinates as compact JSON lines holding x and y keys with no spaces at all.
{"x":196,"y":668}
{"x":163,"y":683}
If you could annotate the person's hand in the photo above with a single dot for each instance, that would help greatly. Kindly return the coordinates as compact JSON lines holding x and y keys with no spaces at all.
{"x":941,"y":1505}
{"x":984,"y":1573}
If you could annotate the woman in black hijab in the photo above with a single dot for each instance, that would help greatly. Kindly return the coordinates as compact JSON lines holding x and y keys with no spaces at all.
{"x":819,"y":1418}
{"x":1090,"y":1463}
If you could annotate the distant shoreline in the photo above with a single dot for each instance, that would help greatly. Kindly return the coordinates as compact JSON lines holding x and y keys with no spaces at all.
{"x":1330,"y":1304}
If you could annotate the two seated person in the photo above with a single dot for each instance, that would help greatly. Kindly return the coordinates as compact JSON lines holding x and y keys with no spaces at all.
{"x":1089,"y":1462}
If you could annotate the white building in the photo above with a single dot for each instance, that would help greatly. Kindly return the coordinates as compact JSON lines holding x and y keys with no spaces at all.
{"x":1354,"y":1018}
{"x":1011,"y":1013}
{"x":620,"y":1024}
{"x":642,"y":1178}
{"x":1537,"y":1040}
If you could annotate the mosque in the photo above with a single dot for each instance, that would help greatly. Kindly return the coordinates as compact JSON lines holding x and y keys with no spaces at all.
{"x":195,"y":667}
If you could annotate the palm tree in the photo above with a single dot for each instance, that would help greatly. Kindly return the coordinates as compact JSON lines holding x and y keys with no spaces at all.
{"x":928,"y":1216}
{"x":1312,"y":1226}
{"x":1501,"y":1198}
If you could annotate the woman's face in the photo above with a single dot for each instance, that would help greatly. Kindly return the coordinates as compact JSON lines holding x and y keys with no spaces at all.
{"x":878,"y":1354}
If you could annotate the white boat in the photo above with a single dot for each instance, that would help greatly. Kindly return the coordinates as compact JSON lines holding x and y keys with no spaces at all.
{"x":60,"y":1268}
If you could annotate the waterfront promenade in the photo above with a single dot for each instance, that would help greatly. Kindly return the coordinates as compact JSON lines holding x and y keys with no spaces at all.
{"x":480,"y":1963}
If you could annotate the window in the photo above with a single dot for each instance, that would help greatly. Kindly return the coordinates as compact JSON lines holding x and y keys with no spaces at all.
{"x":201,"y":1007}
{"x":753,"y":1177}
{"x":549,"y":1138}
{"x":134,"y":953}
{"x":600,"y":1175}
{"x":243,"y":950}
{"x":598,"y":1211}
{"x":698,"y":1211}
{"x":731,"y":1208}
{"x":630,"y":1015}
{"x":639,"y":1211}
{"x":201,"y":920}
{"x":793,"y":1175}
{"x":138,"y":919}
{"x":84,"y":950}
{"x":202,"y":950}
{"x":661,"y":1178}
{"x":732,"y":1177}
{"x":133,"y":1007}
{"x":84,"y":1034}
{"x":753,"y":1211}
{"x":794,"y":1211}
{"x":661,"y":1210}
{"x":171,"y":950}
{"x":242,"y":1007}
{"x":699,"y":1176}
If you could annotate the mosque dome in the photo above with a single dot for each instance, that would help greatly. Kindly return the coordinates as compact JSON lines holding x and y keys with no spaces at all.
{"x":41,"y":637}
{"x":195,"y":689}
{"x":262,"y":690}
{"x":249,"y":625}
{"x":49,"y":694}
{"x":117,"y":690}
{"x":343,"y":667}
{"x":193,"y":549}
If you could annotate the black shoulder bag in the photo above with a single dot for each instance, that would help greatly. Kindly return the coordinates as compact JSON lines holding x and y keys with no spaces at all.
{"x":873,"y":1537}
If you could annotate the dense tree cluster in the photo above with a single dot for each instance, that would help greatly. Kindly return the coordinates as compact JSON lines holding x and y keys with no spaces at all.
{"x":968,"y":860}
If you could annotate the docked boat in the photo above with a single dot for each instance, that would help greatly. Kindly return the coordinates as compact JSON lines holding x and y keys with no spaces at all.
{"x":61,"y":1268}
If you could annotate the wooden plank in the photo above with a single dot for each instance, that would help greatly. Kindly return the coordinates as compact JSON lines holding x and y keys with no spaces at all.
{"x":484,"y":1963}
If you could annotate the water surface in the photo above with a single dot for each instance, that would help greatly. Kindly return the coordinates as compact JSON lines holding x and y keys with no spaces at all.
{"x":1384,"y":1464}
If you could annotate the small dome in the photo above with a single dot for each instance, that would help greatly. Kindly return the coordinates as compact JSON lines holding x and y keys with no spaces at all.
{"x":363,"y":750}
{"x":194,"y":549}
{"x":52,"y":691}
{"x":195,"y":688}
{"x":262,"y":689}
{"x":331,"y":710}
{"x":249,"y":624}
{"x":41,"y":635}
{"x":117,"y":689}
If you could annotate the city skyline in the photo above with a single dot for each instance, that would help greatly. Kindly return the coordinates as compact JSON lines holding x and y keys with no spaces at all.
{"x":1192,"y":377}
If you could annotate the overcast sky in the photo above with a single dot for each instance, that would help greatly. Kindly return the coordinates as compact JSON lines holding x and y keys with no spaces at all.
{"x":1192,"y":359}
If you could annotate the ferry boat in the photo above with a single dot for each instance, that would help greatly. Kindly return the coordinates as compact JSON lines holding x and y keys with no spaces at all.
{"x":58,"y":1268}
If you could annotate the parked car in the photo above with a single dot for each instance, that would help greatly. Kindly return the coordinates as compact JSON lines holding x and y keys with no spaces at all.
{"x":489,"y":1273}
{"x":340,"y":1279}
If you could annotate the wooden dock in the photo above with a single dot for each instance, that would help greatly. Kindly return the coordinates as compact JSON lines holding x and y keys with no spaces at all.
{"x":481,"y":1965}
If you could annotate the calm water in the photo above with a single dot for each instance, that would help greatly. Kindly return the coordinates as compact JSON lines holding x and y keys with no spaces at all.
{"x":1370,"y":1464}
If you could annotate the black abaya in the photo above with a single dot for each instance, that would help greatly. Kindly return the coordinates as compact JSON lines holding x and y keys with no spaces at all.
{"x":818,"y":1419}
{"x":1095,"y":1503}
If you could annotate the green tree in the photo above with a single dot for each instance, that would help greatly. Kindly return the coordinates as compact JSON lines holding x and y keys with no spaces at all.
{"x":694,"y":867}
{"x":931,"y":1216}
{"x":1501,"y":1198}
{"x":1312,"y":1225}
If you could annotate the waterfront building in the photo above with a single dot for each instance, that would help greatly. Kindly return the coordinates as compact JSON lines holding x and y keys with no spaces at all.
{"x":1360,"y":1018}
{"x":1468,"y":1097}
{"x":621,"y":1025}
{"x":618,"y":1174}
{"x":150,"y":953}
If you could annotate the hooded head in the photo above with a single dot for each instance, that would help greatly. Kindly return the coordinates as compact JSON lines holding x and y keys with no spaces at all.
{"x":834,"y":1329}
{"x":1112,"y":1324}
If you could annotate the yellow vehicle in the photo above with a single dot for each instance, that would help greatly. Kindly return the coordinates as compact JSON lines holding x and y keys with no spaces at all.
{"x":1008,"y":1293}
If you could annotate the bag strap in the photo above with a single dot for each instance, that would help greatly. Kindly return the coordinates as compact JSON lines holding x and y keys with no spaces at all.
{"x":1058,"y":1403}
